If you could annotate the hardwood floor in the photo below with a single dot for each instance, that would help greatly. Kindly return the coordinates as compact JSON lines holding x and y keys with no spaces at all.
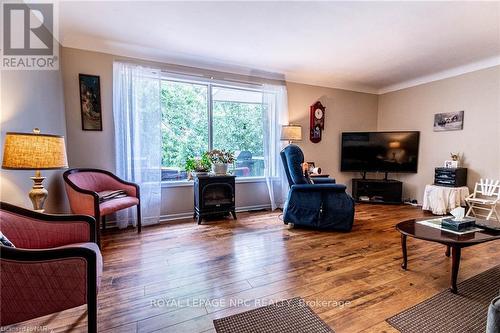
{"x":178,"y":277}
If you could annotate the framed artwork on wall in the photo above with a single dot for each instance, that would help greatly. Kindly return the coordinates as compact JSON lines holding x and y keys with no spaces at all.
{"x":449,"y":121}
{"x":90,"y":102}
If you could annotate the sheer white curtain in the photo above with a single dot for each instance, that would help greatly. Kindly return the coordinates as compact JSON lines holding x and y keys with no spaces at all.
{"x":275,"y":110}
{"x":137,"y":118}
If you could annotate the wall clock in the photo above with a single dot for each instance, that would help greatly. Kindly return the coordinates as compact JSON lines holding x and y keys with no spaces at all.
{"x":317,"y":121}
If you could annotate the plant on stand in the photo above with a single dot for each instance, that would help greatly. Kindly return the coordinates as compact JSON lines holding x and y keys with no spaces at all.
{"x":197,"y":166}
{"x":221,"y":159}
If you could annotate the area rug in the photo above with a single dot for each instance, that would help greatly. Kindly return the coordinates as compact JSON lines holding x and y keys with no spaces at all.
{"x":454,"y":313}
{"x":289,"y":316}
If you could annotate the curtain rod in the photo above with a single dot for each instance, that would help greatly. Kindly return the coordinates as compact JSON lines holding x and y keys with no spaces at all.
{"x":211,"y":75}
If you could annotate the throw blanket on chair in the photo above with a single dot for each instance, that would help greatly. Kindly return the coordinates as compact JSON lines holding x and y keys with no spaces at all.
{"x":110,"y":195}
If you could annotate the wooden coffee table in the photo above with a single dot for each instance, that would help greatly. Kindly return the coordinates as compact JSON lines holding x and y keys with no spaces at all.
{"x":453,"y":241}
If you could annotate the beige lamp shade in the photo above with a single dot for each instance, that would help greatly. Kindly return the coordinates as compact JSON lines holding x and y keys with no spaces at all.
{"x":291,"y":133}
{"x":34,"y":151}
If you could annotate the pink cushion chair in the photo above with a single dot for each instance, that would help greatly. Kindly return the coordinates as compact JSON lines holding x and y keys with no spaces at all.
{"x":83,"y":185}
{"x":55,"y":265}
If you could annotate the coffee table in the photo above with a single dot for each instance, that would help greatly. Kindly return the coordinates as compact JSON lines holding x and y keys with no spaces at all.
{"x":452,"y":241}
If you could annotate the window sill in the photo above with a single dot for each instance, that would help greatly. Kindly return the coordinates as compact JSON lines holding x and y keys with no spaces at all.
{"x":187,"y":183}
{"x":250,"y":180}
{"x":177,"y":183}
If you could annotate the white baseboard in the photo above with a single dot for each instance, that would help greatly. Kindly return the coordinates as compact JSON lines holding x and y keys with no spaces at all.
{"x":187,"y":215}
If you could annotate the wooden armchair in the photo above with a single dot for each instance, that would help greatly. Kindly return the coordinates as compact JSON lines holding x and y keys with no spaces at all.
{"x":83,"y":187}
{"x":55,"y":265}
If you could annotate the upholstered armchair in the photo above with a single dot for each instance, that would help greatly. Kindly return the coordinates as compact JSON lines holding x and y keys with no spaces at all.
{"x":83,"y":187}
{"x":55,"y":265}
{"x":322,"y":204}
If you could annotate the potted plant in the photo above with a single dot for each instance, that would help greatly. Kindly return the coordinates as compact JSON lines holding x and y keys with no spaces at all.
{"x":197,"y":166}
{"x":220,"y":161}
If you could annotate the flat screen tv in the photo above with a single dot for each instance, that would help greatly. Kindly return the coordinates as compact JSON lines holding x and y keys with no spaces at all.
{"x":380,"y":151}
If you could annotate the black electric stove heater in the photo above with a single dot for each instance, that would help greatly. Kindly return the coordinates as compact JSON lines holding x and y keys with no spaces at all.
{"x":214,"y":196}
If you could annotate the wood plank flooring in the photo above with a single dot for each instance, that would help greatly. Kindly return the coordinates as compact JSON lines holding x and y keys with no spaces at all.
{"x":178,"y":277}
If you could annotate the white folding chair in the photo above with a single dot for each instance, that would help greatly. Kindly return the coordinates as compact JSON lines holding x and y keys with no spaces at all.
{"x":482,"y":203}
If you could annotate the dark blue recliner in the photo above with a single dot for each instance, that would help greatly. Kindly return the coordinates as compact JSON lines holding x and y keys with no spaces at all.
{"x":323,"y":205}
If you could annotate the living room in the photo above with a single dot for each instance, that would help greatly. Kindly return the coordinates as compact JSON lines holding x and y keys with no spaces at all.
{"x":338,"y":127}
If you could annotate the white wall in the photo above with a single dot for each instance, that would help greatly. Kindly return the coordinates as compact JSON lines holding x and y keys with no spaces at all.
{"x":32,"y":99}
{"x":345,"y":111}
{"x":92,"y":149}
{"x":478,"y":94}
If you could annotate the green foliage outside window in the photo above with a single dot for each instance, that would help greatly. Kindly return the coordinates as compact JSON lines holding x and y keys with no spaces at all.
{"x":185,"y":122}
{"x":236,"y":126}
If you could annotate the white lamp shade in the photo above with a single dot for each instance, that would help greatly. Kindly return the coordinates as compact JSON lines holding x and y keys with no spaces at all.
{"x":291,"y":133}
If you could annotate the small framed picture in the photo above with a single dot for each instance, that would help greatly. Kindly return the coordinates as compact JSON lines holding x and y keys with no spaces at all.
{"x":451,"y":164}
{"x":90,"y":102}
{"x":311,"y":167}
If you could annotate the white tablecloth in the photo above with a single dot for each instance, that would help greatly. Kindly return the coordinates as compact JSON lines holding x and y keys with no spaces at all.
{"x":441,"y":199}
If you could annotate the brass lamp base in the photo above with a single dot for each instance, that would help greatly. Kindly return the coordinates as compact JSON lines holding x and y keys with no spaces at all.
{"x":38,"y":193}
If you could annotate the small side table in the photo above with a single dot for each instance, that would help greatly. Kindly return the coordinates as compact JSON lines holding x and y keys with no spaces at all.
{"x":442,"y":199}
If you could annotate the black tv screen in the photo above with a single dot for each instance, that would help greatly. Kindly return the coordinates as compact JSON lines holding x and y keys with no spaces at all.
{"x":380,"y":151}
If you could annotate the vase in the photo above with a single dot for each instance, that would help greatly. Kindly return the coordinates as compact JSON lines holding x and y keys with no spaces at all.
{"x":220,"y":169}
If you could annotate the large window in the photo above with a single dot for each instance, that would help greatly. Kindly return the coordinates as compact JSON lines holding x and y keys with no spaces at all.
{"x":199,"y":116}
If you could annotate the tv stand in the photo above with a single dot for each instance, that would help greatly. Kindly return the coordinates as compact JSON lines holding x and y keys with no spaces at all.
{"x":384,"y":191}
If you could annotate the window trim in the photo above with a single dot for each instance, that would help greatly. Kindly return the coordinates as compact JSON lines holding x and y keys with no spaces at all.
{"x":210,"y":83}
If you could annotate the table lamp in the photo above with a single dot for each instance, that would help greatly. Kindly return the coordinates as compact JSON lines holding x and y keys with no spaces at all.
{"x":291,"y":133}
{"x":34,"y":151}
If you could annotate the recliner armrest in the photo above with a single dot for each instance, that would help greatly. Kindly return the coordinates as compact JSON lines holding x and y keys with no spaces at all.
{"x":319,"y":187}
{"x":323,"y":180}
